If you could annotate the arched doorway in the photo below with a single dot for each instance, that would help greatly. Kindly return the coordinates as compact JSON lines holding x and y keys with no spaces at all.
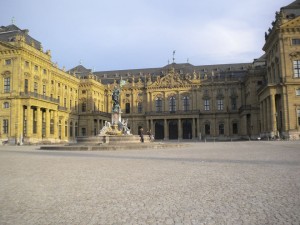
{"x":187,"y":129}
{"x":159,"y":130}
{"x":173,"y":129}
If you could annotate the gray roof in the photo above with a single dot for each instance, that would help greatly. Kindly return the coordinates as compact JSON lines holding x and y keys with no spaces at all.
{"x":9,"y":33}
{"x":238,"y":69}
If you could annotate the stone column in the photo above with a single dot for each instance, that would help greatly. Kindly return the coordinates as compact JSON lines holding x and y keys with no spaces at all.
{"x":261,"y":117}
{"x":265,"y":116}
{"x":179,"y":129}
{"x":55,"y":119}
{"x":29,"y":121}
{"x":98,"y":126}
{"x":166,"y":130}
{"x":151,"y":126}
{"x":47,"y":119}
{"x":198,"y":128}
{"x":273,"y":114}
{"x":193,"y":128}
{"x":268,"y":114}
{"x":38,"y":122}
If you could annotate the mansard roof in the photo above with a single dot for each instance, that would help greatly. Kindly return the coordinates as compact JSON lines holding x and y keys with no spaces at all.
{"x":80,"y":71}
{"x":9,"y":34}
{"x":238,"y":69}
{"x":293,"y":5}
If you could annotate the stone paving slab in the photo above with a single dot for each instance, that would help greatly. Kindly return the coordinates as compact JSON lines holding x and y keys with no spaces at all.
{"x":201,"y":183}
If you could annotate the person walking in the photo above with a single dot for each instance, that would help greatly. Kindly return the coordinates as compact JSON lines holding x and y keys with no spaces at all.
{"x":142,"y":135}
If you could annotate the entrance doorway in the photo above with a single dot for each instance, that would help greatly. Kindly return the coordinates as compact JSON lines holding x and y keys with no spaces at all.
{"x":159,"y":130}
{"x":187,"y":129}
{"x":173,"y":129}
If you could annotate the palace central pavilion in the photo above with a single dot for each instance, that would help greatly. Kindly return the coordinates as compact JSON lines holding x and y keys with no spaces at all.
{"x":41,"y":103}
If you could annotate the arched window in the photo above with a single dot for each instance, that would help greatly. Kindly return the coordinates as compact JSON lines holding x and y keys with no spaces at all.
{"x":207,"y":129}
{"x":83,"y":107}
{"x":71,"y":129}
{"x":127,"y":107}
{"x":5,"y":105}
{"x":186,"y":103}
{"x":140,"y":107}
{"x":76,"y":129}
{"x":66,"y":128}
{"x":221,"y":128}
{"x":235,"y":128}
{"x":172,"y":104}
{"x":158,"y":104}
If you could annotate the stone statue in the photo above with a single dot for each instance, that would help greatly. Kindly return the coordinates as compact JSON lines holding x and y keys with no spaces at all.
{"x":116,"y":100}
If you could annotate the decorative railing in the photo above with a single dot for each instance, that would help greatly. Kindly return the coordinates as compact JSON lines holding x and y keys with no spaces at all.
{"x":38,"y":96}
{"x":101,"y":113}
{"x":178,"y":112}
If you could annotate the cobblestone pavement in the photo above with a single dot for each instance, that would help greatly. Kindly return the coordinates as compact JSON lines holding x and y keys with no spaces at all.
{"x":202,"y":183}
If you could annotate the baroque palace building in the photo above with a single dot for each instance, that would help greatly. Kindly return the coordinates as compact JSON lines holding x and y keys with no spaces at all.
{"x":41,"y":103}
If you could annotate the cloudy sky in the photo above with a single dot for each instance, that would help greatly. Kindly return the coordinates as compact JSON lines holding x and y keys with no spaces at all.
{"x":131,"y":34}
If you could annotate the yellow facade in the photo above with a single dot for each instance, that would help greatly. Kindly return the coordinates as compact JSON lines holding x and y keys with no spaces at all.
{"x":41,"y":103}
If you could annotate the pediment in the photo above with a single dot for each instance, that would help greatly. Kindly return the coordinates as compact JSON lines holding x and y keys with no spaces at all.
{"x":6,"y":46}
{"x":172,"y":79}
{"x":292,"y":23}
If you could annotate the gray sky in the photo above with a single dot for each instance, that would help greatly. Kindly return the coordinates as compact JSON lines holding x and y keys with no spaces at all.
{"x":130,"y":34}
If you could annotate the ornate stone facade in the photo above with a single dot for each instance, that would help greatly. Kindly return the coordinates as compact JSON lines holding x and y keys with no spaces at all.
{"x":42,"y":103}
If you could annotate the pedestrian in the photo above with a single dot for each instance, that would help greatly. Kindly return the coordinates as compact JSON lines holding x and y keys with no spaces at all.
{"x":142,"y":135}
{"x":149,"y":134}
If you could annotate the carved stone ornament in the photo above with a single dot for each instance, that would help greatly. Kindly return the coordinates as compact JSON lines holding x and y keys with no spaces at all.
{"x":36,"y":77}
{"x":6,"y":73}
{"x":295,"y":55}
{"x":172,"y":79}
{"x":26,"y":74}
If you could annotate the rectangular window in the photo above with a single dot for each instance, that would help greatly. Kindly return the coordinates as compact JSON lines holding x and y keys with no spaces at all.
{"x":36,"y":68}
{"x":52,"y":126}
{"x":83,"y":131}
{"x":298,"y":92}
{"x":26,"y":86}
{"x":206,"y":105}
{"x":26,"y":64}
{"x":295,"y":41}
{"x":298,"y":112}
{"x":221,"y":129}
{"x":66,"y":129}
{"x":70,"y":104}
{"x":34,"y":125}
{"x":65,"y":102}
{"x":35,"y":87}
{"x":6,"y":84}
{"x":220,"y":105}
{"x":158,"y":105}
{"x":233,"y":103}
{"x":296,"y":68}
{"x":186,"y":103}
{"x":140,"y":107}
{"x":5,"y":126}
{"x":58,"y":99}
{"x":75,"y":105}
{"x":127,"y":107}
{"x":44,"y":71}
{"x":8,"y":62}
{"x":44,"y":90}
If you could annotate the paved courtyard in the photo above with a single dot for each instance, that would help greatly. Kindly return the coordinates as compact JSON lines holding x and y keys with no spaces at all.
{"x":201,"y":183}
